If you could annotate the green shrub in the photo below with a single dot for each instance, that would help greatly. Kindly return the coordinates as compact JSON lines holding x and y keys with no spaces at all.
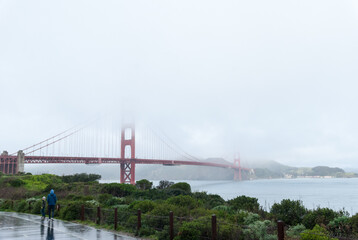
{"x":146,"y":231}
{"x":123,"y":213}
{"x":353,"y":221}
{"x":245,"y":203}
{"x":161,"y":211}
{"x":209,"y":200}
{"x":118,"y":189}
{"x":144,"y":184}
{"x":251,"y":218}
{"x":36,"y":207}
{"x":80,"y":177}
{"x":289,"y":211}
{"x":175,"y":192}
{"x":317,"y":233}
{"x":71,"y":212}
{"x":224,"y":208}
{"x":21,"y":206}
{"x":183,"y":201}
{"x":182,"y":185}
{"x":145,"y":206}
{"x":114,"y":201}
{"x":92,"y":203}
{"x":103,"y":198}
{"x":193,"y":230}
{"x":241,"y":216}
{"x":131,"y":222}
{"x":164,"y":184}
{"x":340,"y":225}
{"x":258,"y":230}
{"x":295,"y":231}
{"x":6,"y":204}
{"x":318,"y":216}
{"x":16,"y":182}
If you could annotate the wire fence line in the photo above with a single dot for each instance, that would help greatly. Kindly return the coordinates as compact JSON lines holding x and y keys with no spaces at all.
{"x":170,"y":226}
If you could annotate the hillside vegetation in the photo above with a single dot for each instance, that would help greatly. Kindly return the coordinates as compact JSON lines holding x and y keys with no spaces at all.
{"x":238,"y":218}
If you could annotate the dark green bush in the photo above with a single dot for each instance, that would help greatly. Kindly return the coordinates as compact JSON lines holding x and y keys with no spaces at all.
{"x":317,"y":233}
{"x":190,"y":231}
{"x":146,"y":231}
{"x":183,"y":201}
{"x":340,"y":226}
{"x":71,"y":211}
{"x":145,"y":205}
{"x":353,"y":221}
{"x":21,"y":206}
{"x":103,"y":198}
{"x":209,"y":200}
{"x":318,"y":216}
{"x":161,"y":213}
{"x":244,"y":203}
{"x":124,"y":213}
{"x":131,"y":222}
{"x":182,"y":185}
{"x":144,"y":184}
{"x":16,"y":182}
{"x":114,"y":201}
{"x":175,"y":192}
{"x":118,"y":189}
{"x":6,"y":205}
{"x":164,"y":184}
{"x":291,"y":212}
{"x":196,"y":229}
{"x":36,"y":207}
{"x":81,"y":177}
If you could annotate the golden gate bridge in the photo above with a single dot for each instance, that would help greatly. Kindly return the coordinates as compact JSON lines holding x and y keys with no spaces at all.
{"x":97,"y":145}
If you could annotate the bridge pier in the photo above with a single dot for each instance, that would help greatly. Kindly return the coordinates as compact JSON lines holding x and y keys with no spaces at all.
{"x":20,"y":161}
{"x":9,"y":164}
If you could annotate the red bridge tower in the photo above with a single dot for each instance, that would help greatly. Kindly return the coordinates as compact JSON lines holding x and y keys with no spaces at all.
{"x":128,"y":166}
{"x":237,"y":172}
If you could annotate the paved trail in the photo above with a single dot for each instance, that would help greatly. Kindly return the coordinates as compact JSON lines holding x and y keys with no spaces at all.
{"x":27,"y":226}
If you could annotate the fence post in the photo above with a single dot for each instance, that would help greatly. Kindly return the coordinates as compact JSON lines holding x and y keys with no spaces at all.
{"x":98,"y":215}
{"x":280,"y":230}
{"x":82,"y":213}
{"x":29,"y":206}
{"x":139,"y":225}
{"x":171,"y":225}
{"x":213,"y":226}
{"x":115,"y":218}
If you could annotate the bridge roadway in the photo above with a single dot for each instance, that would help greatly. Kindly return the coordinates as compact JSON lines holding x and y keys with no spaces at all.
{"x":19,"y":226}
{"x":96,"y":160}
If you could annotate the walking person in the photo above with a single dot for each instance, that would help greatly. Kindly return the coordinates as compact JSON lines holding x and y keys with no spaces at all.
{"x":43,"y":208}
{"x":51,"y":201}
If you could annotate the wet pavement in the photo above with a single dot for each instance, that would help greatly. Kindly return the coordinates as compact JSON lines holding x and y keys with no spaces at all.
{"x":27,"y":226}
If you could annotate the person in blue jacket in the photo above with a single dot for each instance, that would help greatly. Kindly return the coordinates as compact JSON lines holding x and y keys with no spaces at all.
{"x":51,"y":201}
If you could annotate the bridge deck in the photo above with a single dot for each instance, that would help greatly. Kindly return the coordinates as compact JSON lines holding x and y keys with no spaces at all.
{"x":96,"y":160}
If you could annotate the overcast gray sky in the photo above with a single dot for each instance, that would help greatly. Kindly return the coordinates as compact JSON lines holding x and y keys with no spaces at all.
{"x":271,"y":79}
